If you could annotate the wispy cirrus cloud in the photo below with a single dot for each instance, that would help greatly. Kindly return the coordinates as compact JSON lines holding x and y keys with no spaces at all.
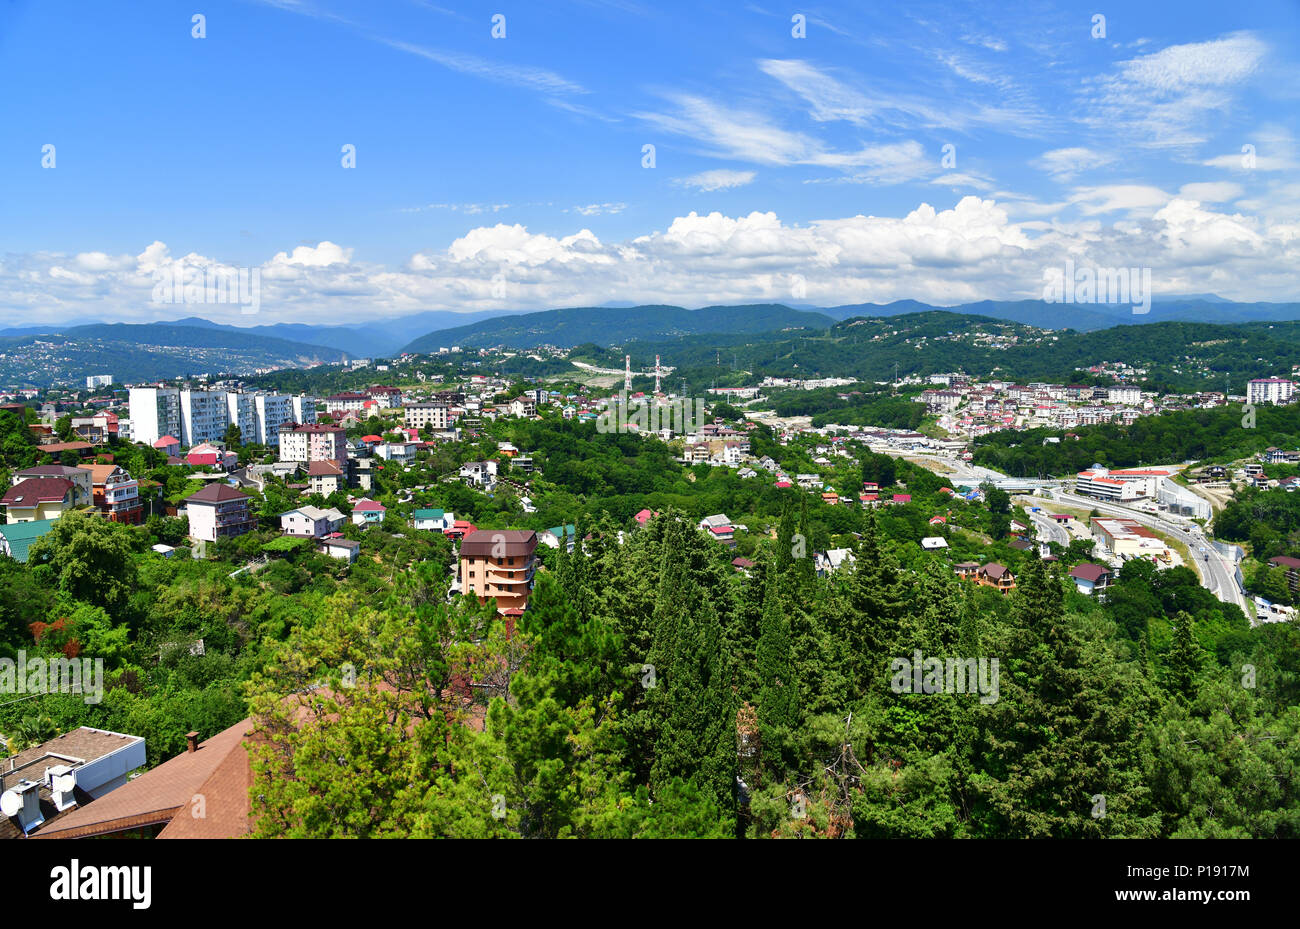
{"x":1169,"y":98}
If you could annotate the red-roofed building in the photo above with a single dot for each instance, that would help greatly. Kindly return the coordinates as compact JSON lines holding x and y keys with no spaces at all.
{"x":218,"y":511}
{"x":168,"y":445}
{"x":38,"y":498}
{"x":368,"y":512}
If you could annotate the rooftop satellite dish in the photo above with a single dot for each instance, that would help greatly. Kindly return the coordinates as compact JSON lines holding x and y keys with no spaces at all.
{"x":10,"y":803}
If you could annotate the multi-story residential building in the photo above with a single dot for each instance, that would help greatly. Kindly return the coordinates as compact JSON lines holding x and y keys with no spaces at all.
{"x":304,"y":409}
{"x":326,"y":477}
{"x":499,"y":563}
{"x":1124,"y":394}
{"x":385,"y":397}
{"x":116,"y":493}
{"x":218,"y":511}
{"x":1270,"y":390}
{"x":343,"y":402}
{"x":311,"y":522}
{"x":241,"y":411}
{"x":399,"y":452}
{"x":38,"y":498}
{"x":98,"y":380}
{"x":313,"y":442}
{"x":83,"y":489}
{"x":272,"y":412}
{"x":205,"y":415}
{"x":155,"y":412}
{"x":425,"y":416}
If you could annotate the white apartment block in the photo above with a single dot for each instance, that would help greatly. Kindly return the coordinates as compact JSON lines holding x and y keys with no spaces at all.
{"x":304,"y":409}
{"x":1270,"y":390}
{"x":1125,"y":394}
{"x":313,"y":443}
{"x":204,"y":416}
{"x":155,"y":412}
{"x":242,"y":412}
{"x":273,"y":410}
{"x":425,"y":416}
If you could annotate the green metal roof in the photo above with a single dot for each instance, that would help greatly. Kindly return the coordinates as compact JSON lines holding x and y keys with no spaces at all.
{"x":429,"y":514}
{"x":20,"y":536}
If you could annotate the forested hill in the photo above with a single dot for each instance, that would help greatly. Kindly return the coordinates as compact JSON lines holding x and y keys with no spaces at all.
{"x":616,"y":325}
{"x":149,"y":351}
{"x":1178,"y":356}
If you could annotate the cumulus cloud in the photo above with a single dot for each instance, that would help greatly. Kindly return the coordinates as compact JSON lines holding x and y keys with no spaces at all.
{"x":980,"y":248}
{"x":320,"y":256}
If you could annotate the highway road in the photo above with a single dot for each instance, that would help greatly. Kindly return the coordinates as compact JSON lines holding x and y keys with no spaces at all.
{"x":1049,"y":530}
{"x":1218,"y":574}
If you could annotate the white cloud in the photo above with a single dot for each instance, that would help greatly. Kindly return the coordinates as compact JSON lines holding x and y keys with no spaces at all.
{"x":1171,"y":97}
{"x":1065,"y":163}
{"x":717,"y":179}
{"x":320,"y":256}
{"x":1211,"y":192}
{"x":971,"y":251}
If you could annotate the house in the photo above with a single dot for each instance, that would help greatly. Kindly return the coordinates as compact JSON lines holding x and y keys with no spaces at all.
{"x":552,"y":537}
{"x":900,"y":499}
{"x":830,"y":497}
{"x":830,"y":561}
{"x":343,"y":549}
{"x":967,"y":569}
{"x":402,"y":453}
{"x":1090,"y":577}
{"x":644,"y":516}
{"x":168,"y":445}
{"x":433,"y":520}
{"x":38,"y":498}
{"x":367,"y":512}
{"x":479,"y":473}
{"x":997,"y":576}
{"x":499,"y":563}
{"x":218,"y":511}
{"x":17,"y":538}
{"x":934,"y":542}
{"x":207,"y":455}
{"x":83,"y":493}
{"x":459,"y":529}
{"x":311,"y":522}
{"x":743,"y":565}
{"x":53,"y":781}
{"x":325,"y":477}
{"x":165,"y":551}
{"x":115,"y":493}
{"x":160,"y":802}
{"x":938,"y":520}
{"x":869,"y":499}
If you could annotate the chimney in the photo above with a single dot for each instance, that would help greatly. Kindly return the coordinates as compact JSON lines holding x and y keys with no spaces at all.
{"x":191,"y":741}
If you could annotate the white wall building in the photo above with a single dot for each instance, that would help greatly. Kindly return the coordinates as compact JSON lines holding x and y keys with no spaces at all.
{"x":1270,"y":390}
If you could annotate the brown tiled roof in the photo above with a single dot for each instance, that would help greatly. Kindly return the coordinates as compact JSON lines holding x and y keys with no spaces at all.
{"x":49,"y":471}
{"x":85,"y":743}
{"x":479,"y":544}
{"x":55,"y":447}
{"x":98,"y":472}
{"x":159,"y":795}
{"x":37,"y":490}
{"x":216,"y":493}
{"x":323,"y":469}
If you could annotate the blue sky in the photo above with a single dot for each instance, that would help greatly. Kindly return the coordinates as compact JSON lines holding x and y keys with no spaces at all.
{"x":509,"y":171}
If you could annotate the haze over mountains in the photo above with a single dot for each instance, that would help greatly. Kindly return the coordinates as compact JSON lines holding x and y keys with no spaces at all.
{"x":164,"y":349}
